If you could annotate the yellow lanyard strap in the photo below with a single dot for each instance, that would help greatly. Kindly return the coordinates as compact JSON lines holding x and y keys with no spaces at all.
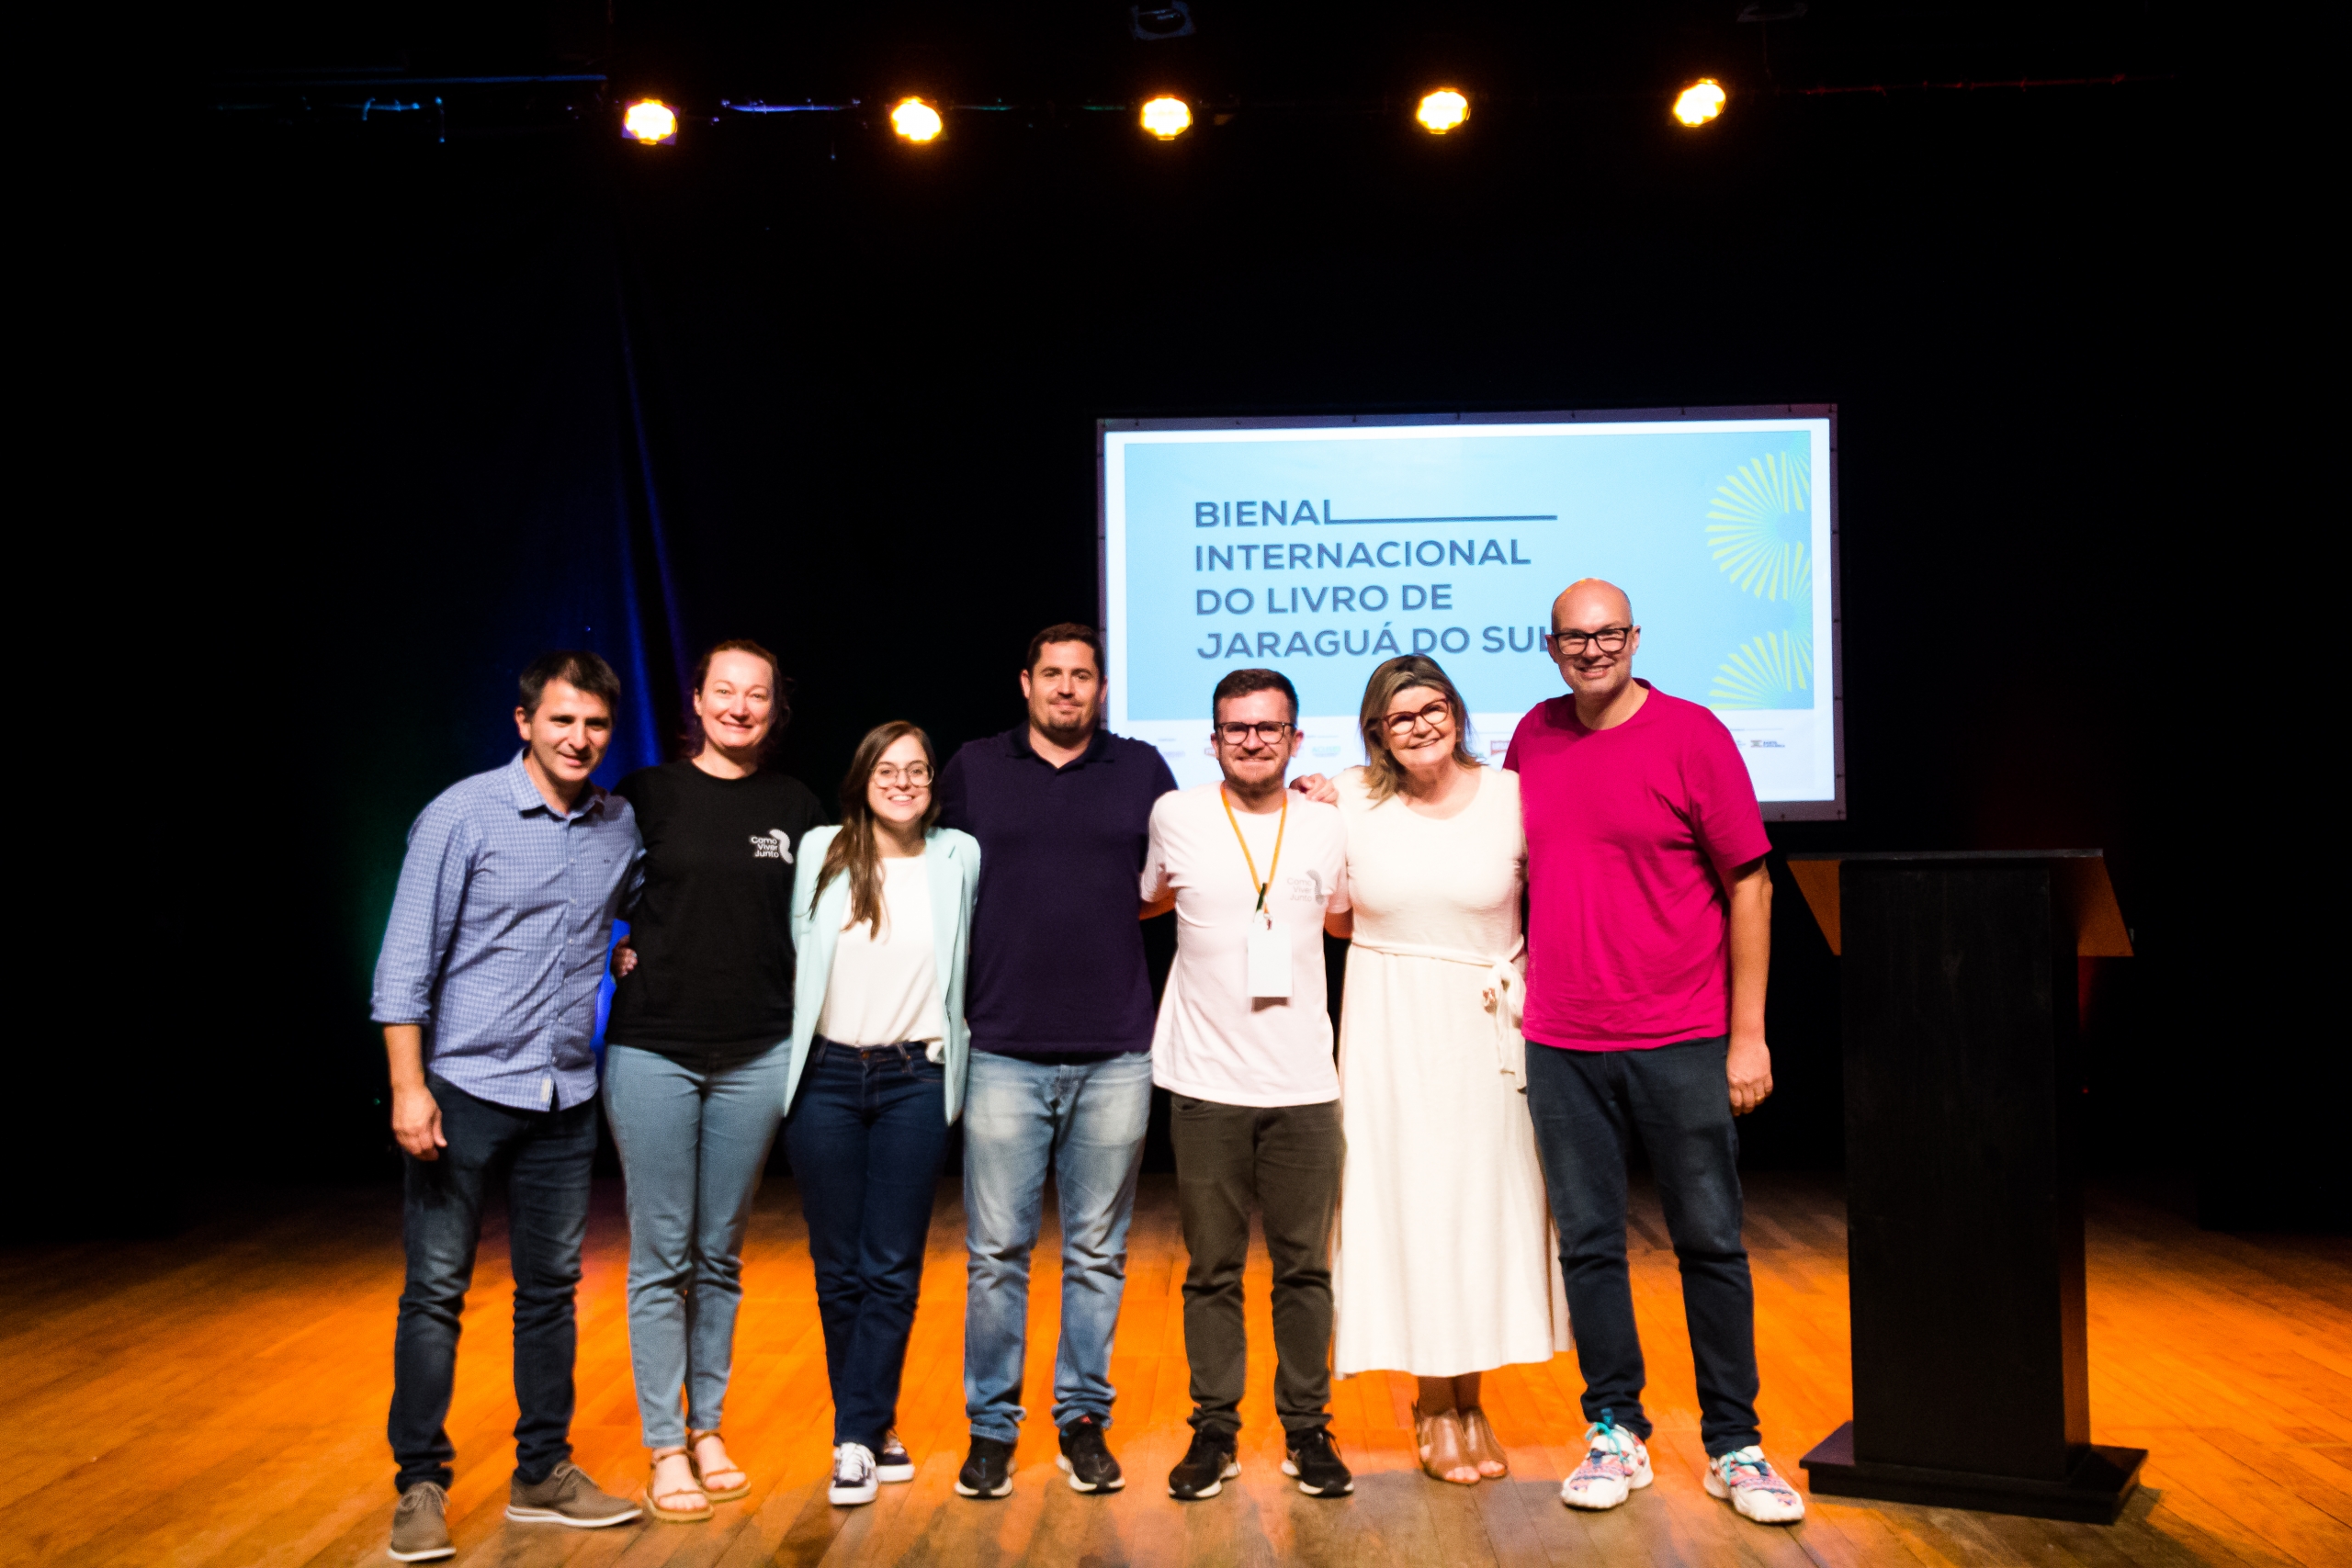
{"x":1271,"y":864}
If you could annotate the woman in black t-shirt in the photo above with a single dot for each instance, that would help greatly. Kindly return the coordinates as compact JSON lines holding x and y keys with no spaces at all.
{"x":697,"y":1048}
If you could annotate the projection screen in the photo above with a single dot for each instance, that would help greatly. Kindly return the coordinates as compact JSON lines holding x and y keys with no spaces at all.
{"x":1319,"y":546}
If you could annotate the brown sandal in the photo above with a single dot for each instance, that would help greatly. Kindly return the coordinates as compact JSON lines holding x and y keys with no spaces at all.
{"x":668,"y":1506}
{"x":1482,"y":1446}
{"x":722,"y":1485}
{"x":1440,"y":1439}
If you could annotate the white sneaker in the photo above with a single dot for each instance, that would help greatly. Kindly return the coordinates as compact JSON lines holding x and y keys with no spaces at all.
{"x":893,"y":1463}
{"x":854,"y":1479}
{"x":1746,"y":1478}
{"x":1616,"y":1465}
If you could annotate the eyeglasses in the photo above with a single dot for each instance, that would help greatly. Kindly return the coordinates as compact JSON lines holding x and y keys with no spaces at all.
{"x":1239,"y":734}
{"x":1608,"y":640}
{"x":1434,"y":716}
{"x":916,"y":775}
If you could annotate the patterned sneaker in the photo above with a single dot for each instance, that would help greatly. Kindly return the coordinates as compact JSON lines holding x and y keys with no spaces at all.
{"x":893,"y":1463}
{"x":420,"y":1532}
{"x":1746,"y":1478}
{"x":1616,"y":1465}
{"x":854,"y":1480}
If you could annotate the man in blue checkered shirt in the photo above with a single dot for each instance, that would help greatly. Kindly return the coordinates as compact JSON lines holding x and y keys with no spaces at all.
{"x":486,"y":988}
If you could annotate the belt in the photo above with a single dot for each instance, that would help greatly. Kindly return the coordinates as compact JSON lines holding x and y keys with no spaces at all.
{"x":901,"y":1050}
{"x":1508,"y":1007}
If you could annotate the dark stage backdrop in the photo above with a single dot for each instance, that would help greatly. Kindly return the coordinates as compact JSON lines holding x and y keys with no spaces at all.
{"x":450,"y":404}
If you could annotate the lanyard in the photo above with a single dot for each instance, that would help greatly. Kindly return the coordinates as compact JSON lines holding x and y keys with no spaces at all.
{"x":1279,"y":828}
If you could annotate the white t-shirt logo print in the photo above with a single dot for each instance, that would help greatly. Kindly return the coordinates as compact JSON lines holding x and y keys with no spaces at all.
{"x":775,"y":845}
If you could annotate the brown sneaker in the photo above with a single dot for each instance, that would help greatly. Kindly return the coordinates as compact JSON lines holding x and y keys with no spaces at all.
{"x":420,"y":1532}
{"x":568,"y":1497}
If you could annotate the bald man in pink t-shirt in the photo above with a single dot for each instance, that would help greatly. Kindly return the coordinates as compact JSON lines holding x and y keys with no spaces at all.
{"x":1648,"y":937}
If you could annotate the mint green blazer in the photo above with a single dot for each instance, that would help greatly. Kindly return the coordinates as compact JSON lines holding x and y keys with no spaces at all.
{"x":953,"y":858}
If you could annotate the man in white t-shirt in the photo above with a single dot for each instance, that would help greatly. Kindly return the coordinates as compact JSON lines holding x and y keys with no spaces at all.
{"x":1243,"y":1045}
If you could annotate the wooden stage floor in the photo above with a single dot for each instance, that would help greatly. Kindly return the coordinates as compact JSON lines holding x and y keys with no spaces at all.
{"x":218,"y":1398}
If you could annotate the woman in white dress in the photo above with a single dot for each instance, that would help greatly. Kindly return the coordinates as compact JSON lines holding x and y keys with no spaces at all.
{"x":1445,"y":1267}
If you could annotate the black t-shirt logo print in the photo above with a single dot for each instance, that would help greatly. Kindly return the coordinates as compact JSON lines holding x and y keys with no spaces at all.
{"x":776,"y":844}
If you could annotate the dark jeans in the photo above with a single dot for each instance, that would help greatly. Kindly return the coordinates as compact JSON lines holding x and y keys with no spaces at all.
{"x":1584,"y":1104}
{"x":1284,"y":1162}
{"x":866,"y":1135}
{"x":546,"y":1156}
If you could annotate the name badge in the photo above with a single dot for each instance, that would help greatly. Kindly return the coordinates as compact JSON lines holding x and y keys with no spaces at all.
{"x":1269,"y":960}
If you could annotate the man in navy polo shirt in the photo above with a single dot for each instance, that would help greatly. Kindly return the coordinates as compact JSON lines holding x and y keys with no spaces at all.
{"x":1059,"y":1004}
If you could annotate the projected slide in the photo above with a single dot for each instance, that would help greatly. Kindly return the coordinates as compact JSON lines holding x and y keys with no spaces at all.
{"x":1319,"y":547}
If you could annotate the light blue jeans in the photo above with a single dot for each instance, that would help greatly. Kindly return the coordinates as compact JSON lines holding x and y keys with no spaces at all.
{"x":1088,"y":1119}
{"x":693,"y":1138}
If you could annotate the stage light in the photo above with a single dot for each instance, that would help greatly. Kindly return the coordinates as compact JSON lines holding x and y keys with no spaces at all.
{"x":916,"y":120}
{"x":649,"y":121}
{"x":1700,"y":102}
{"x":1442,"y":110}
{"x":1167,"y":118}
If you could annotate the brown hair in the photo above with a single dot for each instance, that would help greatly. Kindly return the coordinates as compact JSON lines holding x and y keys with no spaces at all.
{"x":1066,"y":631}
{"x":1241,"y":682}
{"x":779,"y":689}
{"x":1383,"y":776}
{"x":853,"y":850}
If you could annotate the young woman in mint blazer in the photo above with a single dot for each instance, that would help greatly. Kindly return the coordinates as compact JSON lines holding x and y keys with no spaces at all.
{"x":881,"y":920}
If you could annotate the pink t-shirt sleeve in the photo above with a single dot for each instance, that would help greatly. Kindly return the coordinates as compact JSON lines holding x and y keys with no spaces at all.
{"x":1724,"y":817}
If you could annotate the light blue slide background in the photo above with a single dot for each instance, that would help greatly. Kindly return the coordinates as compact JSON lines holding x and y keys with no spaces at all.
{"x":1719,"y":530}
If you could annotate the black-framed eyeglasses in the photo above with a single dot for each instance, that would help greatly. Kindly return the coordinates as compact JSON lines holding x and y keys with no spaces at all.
{"x":1270,"y":734}
{"x":1608,"y":640}
{"x":917,"y":775}
{"x":1434,"y":716}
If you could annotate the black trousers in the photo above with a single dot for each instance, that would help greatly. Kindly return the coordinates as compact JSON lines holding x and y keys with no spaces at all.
{"x":1587,"y":1107}
{"x":1284,"y":1161}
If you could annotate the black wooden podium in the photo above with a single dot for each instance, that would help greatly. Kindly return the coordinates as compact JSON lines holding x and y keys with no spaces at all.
{"x":1964,"y":1208}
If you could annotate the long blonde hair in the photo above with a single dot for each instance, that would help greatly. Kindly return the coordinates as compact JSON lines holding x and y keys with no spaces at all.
{"x":1383,"y":776}
{"x":853,"y":850}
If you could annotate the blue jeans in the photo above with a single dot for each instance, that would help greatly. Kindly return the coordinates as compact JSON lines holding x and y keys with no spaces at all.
{"x":1088,"y":1119}
{"x":693,"y":1138}
{"x":865,"y":1135}
{"x":546,"y":1156}
{"x":1677,"y":1098}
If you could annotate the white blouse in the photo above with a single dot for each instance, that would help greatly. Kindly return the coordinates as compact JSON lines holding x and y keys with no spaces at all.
{"x":885,"y":990}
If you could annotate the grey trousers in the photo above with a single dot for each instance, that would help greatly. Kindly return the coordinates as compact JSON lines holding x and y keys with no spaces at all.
{"x":1284,"y":1161}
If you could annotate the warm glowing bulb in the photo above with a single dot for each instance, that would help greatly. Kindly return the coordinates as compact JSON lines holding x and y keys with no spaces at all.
{"x":915,"y":120}
{"x":650,"y":119}
{"x":1442,"y":110}
{"x":1167,"y":118}
{"x":1700,"y":102}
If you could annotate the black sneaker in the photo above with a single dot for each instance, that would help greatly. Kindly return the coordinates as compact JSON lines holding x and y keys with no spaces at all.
{"x":987,"y":1470}
{"x":1206,"y":1466}
{"x":1316,"y":1465}
{"x":1089,"y":1463}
